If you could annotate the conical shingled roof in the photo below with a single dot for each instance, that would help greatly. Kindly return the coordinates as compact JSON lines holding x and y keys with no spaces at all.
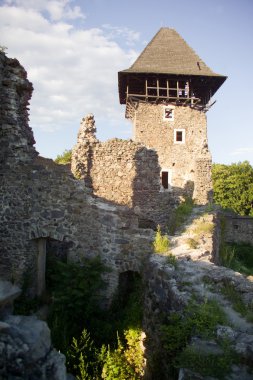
{"x":168,"y":53}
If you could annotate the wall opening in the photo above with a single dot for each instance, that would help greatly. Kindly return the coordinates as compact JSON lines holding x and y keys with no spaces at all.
{"x":166,"y":179}
{"x":49,"y":250}
{"x":128,"y":282}
{"x":179,"y":136}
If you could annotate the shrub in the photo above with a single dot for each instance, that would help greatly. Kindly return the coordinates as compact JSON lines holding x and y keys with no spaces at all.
{"x":196,"y":319}
{"x":75,"y":298}
{"x":230,"y":292}
{"x":215,"y":365}
{"x":161,"y":243}
{"x":126,"y":362}
{"x":83,"y":358}
{"x":64,"y":158}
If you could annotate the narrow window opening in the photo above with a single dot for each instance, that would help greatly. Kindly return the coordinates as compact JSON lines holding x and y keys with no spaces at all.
{"x":165,"y":180}
{"x":179,"y":136}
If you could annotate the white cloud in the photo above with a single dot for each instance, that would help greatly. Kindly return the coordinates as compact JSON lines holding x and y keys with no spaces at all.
{"x":56,"y":9}
{"x":74,"y":71}
{"x":240,"y":151}
{"x":129,"y":35}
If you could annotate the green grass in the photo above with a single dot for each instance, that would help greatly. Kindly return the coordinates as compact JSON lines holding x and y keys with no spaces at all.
{"x":215,"y":365}
{"x":238,"y":257}
{"x":202,"y":227}
{"x":196,"y":320}
{"x":180,"y":215}
{"x":192,"y":243}
{"x":230,"y":292}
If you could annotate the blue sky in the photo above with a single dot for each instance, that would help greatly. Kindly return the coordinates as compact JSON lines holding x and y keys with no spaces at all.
{"x":72,"y":51}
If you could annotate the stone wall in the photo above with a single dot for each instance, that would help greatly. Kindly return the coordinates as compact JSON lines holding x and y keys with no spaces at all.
{"x":238,"y":229}
{"x":169,"y":289}
{"x":41,"y":203}
{"x":15,"y":92}
{"x":42,"y":200}
{"x":189,"y":161}
{"x":123,"y":172}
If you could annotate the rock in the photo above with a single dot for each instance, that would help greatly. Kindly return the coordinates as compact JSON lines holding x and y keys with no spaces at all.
{"x":8,"y":293}
{"x":33,"y":332}
{"x":26,"y":352}
{"x":225,"y":332}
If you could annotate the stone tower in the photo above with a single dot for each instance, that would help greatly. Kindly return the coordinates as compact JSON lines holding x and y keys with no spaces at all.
{"x":167,"y":92}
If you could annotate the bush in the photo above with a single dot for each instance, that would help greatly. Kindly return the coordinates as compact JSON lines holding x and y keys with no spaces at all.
{"x":237,"y":256}
{"x":233,"y":186}
{"x":161,"y":243}
{"x":64,"y":158}
{"x":200,"y":320}
{"x":75,"y":298}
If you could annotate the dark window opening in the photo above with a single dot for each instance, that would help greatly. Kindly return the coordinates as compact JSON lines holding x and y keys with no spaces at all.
{"x":165,"y":180}
{"x":236,"y":227}
{"x":179,"y":136}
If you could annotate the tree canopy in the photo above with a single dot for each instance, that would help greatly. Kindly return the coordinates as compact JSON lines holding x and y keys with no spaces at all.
{"x":233,"y":186}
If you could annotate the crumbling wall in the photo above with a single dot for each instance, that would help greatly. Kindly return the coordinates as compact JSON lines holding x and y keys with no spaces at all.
{"x":116,"y":169}
{"x":41,"y":201}
{"x":15,"y":92}
{"x":188,"y":161}
{"x":169,"y":289}
{"x":238,"y":229}
{"x":123,"y":172}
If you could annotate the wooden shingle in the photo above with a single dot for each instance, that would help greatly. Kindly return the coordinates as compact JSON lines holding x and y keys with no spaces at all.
{"x":168,"y":53}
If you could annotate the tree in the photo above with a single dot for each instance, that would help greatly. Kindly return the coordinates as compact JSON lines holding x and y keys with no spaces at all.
{"x":233,"y":186}
{"x":64,"y":158}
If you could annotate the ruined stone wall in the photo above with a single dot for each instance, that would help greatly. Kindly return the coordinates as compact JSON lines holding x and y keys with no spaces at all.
{"x":42,"y":200}
{"x":189,"y":161}
{"x":238,"y":229}
{"x":15,"y":92}
{"x":123,"y":172}
{"x":169,"y":289}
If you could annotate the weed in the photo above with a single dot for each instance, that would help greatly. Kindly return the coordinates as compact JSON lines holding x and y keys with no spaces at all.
{"x":171,"y":260}
{"x":181,"y":213}
{"x":226,"y":255}
{"x":202,"y":227}
{"x":230,"y":292}
{"x":215,"y":365}
{"x":196,"y":319}
{"x":161,"y":243}
{"x":238,"y":257}
{"x":192,"y":243}
{"x":210,"y":207}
